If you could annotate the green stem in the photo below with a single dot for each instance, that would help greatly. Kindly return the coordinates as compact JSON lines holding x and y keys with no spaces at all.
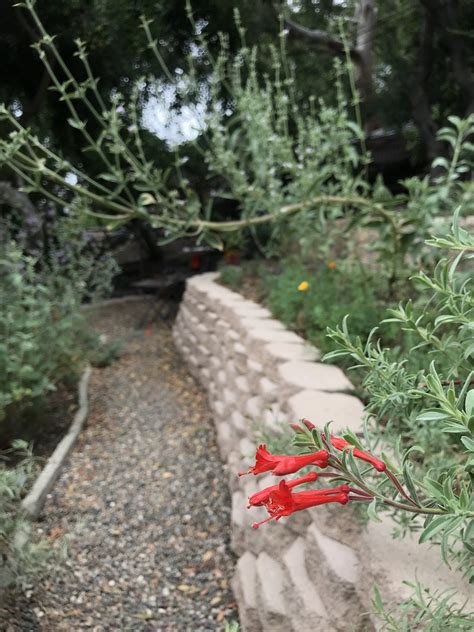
{"x":285,"y":211}
{"x":393,"y":503}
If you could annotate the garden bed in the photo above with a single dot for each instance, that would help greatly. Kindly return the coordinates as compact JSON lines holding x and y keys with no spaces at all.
{"x":44,"y":423}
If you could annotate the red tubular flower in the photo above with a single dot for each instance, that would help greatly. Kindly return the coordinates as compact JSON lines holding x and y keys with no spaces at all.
{"x":260,"y":498}
{"x":282,"y":502}
{"x":339,"y":443}
{"x":282,"y":464}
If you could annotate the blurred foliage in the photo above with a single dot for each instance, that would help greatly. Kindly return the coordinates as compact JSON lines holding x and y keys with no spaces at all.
{"x":43,"y":334}
{"x":108,"y":27}
{"x":431,"y":611}
{"x":23,"y":555}
{"x":231,"y":276}
{"x":334,"y":290}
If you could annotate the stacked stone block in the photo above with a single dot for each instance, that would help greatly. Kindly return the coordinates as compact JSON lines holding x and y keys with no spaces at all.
{"x":315,"y":568}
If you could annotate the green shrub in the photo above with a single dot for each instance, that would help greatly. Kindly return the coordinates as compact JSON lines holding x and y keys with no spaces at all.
{"x":22,"y":555}
{"x":426,"y":414}
{"x":43,"y":335}
{"x":436,"y":359}
{"x":332,"y":293}
{"x":232,"y":276}
{"x":431,"y":611}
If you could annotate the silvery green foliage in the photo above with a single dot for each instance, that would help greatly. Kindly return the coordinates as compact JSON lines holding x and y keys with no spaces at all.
{"x":273,"y":157}
{"x":42,"y":333}
{"x":21,"y":555}
{"x":431,"y":611}
{"x":424,"y":407}
{"x":400,"y":236}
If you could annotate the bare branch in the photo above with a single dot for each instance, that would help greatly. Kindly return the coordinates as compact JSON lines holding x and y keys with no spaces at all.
{"x":323,"y":38}
{"x":360,"y":53}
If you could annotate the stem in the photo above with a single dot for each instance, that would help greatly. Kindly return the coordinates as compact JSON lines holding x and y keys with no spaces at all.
{"x":393,"y":503}
{"x":417,"y":510}
{"x":290,"y":209}
{"x":399,"y":486}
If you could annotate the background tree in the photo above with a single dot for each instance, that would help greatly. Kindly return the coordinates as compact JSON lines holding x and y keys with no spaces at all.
{"x":414,"y":60}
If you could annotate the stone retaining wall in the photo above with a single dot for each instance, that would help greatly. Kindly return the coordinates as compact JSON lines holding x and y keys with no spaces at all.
{"x":316,"y":567}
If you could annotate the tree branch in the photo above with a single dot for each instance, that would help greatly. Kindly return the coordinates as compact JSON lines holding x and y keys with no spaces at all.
{"x":323,"y":38}
{"x":360,"y":53}
{"x":33,"y":106}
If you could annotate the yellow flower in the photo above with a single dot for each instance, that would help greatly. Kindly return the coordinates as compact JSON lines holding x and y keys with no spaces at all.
{"x":303,"y":286}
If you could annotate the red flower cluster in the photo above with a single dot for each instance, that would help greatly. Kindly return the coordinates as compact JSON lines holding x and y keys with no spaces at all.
{"x":340,"y":444}
{"x":261,"y":498}
{"x":282,"y":502}
{"x":282,"y":464}
{"x":279,"y":500}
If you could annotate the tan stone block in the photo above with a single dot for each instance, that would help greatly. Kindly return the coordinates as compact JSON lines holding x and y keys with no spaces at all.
{"x":393,"y":561}
{"x":268,"y":390}
{"x":305,"y":590}
{"x":340,"y":558}
{"x":257,"y":323}
{"x":275,"y":420}
{"x":271,"y":589}
{"x":239,"y":422}
{"x":244,"y":585}
{"x":291,"y":351}
{"x":309,"y":375}
{"x":247,"y":449}
{"x":242,"y":384}
{"x":225,"y":439}
{"x":229,"y":397}
{"x":346,"y":411}
{"x":254,"y":408}
{"x":260,"y":335}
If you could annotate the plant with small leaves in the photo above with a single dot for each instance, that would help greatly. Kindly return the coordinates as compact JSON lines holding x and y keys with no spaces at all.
{"x":23,"y":556}
{"x":425,"y":409}
{"x":431,"y":611}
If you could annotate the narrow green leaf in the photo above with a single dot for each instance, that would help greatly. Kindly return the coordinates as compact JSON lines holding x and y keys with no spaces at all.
{"x":438,"y":524}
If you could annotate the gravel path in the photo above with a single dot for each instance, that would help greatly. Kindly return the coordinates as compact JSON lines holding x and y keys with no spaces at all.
{"x":144,"y":499}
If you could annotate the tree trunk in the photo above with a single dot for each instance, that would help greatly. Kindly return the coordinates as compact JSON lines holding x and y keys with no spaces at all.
{"x":421,"y":108}
{"x":365,"y":17}
{"x":360,"y":52}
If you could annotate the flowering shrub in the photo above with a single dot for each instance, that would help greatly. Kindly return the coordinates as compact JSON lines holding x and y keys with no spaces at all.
{"x":310,"y":296}
{"x":399,"y":399}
